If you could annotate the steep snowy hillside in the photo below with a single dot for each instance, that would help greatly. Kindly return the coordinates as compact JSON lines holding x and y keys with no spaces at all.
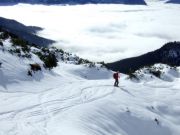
{"x":77,"y":97}
{"x":24,"y":62}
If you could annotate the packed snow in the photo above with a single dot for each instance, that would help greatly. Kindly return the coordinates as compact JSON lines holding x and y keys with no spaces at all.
{"x":103,"y":32}
{"x":78,"y":100}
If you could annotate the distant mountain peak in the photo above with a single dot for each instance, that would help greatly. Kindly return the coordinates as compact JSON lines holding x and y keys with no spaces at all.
{"x":174,"y":1}
{"x":171,"y":50}
{"x":47,"y":2}
{"x":171,"y":45}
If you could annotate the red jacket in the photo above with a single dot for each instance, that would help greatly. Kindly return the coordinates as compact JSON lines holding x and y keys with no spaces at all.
{"x":116,"y":75}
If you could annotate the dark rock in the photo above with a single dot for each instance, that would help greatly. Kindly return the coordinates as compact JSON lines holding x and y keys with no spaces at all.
{"x":35,"y":67}
{"x":1,"y":43}
{"x":174,"y":1}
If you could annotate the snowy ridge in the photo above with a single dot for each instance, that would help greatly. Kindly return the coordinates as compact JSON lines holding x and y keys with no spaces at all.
{"x":159,"y":71}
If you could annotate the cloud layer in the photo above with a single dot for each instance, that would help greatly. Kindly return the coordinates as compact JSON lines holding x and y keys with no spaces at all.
{"x":102,"y":32}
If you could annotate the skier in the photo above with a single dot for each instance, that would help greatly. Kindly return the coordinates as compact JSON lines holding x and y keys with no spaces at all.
{"x":116,"y":77}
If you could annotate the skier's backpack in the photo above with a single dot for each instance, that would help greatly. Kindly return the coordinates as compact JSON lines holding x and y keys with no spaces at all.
{"x":114,"y":75}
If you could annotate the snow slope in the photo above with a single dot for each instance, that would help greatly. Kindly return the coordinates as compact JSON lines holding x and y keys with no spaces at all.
{"x":77,"y":100}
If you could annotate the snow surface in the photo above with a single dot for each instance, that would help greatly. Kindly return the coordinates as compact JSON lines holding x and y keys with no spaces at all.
{"x":77,"y":100}
{"x":103,"y":32}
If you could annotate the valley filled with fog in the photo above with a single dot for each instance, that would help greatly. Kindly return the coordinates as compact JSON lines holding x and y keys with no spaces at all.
{"x":102,"y":32}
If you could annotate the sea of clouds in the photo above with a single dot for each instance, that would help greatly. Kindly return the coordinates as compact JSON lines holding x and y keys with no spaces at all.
{"x":102,"y":32}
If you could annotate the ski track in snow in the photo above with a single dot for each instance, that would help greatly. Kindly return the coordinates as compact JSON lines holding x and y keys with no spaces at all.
{"x":53,"y":107}
{"x":44,"y":111}
{"x":51,"y":103}
{"x":69,"y":104}
{"x":75,"y":99}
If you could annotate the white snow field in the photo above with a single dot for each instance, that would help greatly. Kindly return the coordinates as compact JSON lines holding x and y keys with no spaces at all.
{"x":77,"y":100}
{"x":103,"y":32}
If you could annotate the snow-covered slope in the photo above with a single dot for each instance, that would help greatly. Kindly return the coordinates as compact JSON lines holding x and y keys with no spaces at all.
{"x":23,"y":63}
{"x":73,"y":99}
{"x":161,"y":71}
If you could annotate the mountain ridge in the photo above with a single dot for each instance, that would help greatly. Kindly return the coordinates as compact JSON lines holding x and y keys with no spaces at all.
{"x":27,"y":33}
{"x":174,"y":1}
{"x":167,"y":54}
{"x":132,"y":2}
